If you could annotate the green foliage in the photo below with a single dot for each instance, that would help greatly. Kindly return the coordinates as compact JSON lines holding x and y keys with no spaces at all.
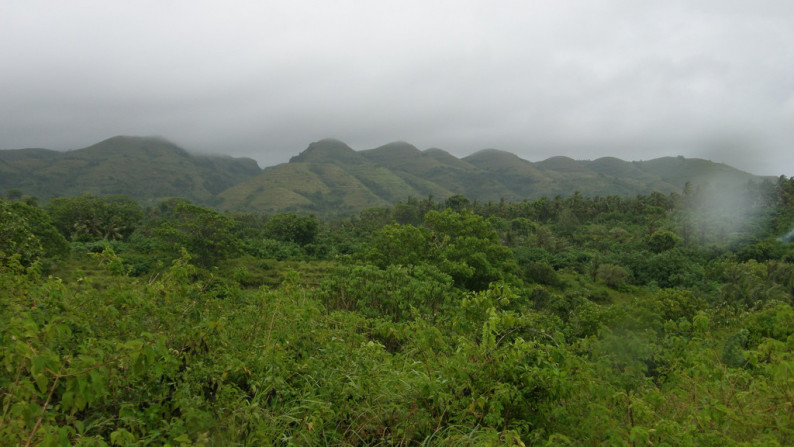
{"x":462,"y":245}
{"x":13,"y":194}
{"x":762,"y":250}
{"x":68,"y":370}
{"x":89,"y":218}
{"x":671,"y":268}
{"x":467,"y":249}
{"x":206,"y":234}
{"x":424,"y":335}
{"x":612,"y":275}
{"x":292,"y":228}
{"x":747,"y":285}
{"x":733,"y":350}
{"x":674,"y":305}
{"x":542,"y":273}
{"x":395,"y":292}
{"x":27,"y":234}
{"x":272,"y":249}
{"x":662,"y":240}
{"x":399,"y":245}
{"x":52,"y":242}
{"x":406,"y":214}
{"x":17,"y":241}
{"x":457,"y":202}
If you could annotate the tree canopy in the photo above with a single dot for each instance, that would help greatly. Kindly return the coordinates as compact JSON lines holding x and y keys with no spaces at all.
{"x":558,"y":321}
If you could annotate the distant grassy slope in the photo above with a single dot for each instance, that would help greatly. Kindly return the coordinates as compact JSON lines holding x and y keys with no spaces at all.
{"x":147,"y":169}
{"x":400,"y":155}
{"x":551,"y":177}
{"x":398,"y":170}
{"x":449,"y":174}
{"x":328,"y":150}
{"x":679,"y":170}
{"x":328,"y":177}
{"x":520,"y":176}
{"x":604,"y":176}
{"x":301,"y":187}
{"x":331,"y":178}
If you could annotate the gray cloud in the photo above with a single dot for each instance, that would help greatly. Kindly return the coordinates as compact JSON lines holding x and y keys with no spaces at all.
{"x":583,"y":78}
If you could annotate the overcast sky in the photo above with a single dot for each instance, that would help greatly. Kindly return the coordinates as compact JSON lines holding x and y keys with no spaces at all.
{"x":584,"y":78}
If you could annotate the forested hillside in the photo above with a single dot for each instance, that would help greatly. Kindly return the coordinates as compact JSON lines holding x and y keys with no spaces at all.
{"x":331,"y":179}
{"x":147,"y":169}
{"x":660,"y":319}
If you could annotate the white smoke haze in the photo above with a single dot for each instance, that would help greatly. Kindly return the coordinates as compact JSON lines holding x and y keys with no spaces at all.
{"x":582,"y":78}
{"x":788,"y":237}
{"x":721,"y":211}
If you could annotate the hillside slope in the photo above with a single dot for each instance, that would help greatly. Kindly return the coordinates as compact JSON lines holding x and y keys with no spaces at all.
{"x":329,"y":177}
{"x":147,"y":169}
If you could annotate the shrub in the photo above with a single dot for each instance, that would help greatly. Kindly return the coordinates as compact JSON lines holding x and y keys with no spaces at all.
{"x":612,"y":275}
{"x":542,"y":273}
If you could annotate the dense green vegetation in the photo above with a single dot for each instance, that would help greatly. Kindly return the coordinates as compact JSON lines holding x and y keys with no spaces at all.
{"x":652,"y":320}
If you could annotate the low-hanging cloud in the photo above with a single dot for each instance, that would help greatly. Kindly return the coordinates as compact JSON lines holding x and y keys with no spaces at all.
{"x":586,"y":79}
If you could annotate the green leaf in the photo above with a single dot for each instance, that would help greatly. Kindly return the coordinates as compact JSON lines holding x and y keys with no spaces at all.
{"x":183,"y":438}
{"x":121,"y":437}
{"x":41,"y":382}
{"x":67,"y":399}
{"x":133,"y":345}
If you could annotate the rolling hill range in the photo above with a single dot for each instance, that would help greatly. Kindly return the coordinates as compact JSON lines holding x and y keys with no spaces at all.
{"x":147,"y":169}
{"x":329,"y":177}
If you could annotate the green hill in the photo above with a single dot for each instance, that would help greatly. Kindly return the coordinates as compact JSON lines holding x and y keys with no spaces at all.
{"x":144,"y":168}
{"x":328,"y":150}
{"x":329,"y":177}
{"x":679,"y":170}
{"x":450,"y":174}
{"x":301,"y":187}
{"x":520,"y":176}
{"x":398,"y":155}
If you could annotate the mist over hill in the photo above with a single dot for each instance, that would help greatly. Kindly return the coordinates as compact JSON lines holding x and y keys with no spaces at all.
{"x":147,"y":169}
{"x":329,"y":177}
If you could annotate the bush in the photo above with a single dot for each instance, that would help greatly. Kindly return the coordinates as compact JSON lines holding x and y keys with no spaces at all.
{"x":292,"y":228}
{"x":390,"y":293}
{"x":272,"y":249}
{"x":662,"y":240}
{"x":542,"y":273}
{"x":612,"y":275}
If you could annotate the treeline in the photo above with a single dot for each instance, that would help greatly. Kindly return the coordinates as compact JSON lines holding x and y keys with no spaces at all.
{"x":652,"y":320}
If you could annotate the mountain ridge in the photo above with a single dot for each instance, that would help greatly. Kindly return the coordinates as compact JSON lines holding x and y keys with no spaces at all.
{"x":330,"y":177}
{"x":145,"y":168}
